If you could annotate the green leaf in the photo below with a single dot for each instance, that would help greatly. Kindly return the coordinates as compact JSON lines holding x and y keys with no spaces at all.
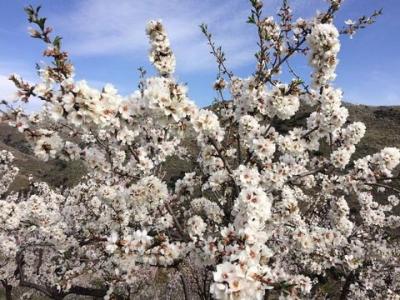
{"x":251,"y":20}
{"x":57,"y":42}
{"x":41,"y":22}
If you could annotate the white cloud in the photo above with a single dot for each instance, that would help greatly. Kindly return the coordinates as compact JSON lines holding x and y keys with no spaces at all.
{"x":7,"y":88}
{"x":8,"y":67}
{"x":107,"y":28}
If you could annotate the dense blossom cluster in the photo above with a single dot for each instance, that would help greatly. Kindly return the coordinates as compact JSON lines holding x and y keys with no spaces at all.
{"x":161,"y":54}
{"x":259,"y":206}
{"x":324,"y":44}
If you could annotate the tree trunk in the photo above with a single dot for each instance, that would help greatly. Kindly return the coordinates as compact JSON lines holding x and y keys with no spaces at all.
{"x":184,"y":286}
{"x":266,"y":295}
{"x":8,"y":289}
{"x":346,"y":287}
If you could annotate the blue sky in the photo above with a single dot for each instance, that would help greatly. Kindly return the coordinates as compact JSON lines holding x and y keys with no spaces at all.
{"x":107,"y":43}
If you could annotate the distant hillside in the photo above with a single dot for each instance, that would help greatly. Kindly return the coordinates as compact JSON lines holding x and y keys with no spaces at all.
{"x":383,"y":129}
{"x":54,"y":172}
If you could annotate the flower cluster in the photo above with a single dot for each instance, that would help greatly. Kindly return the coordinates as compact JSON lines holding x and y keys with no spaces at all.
{"x":324,"y":44}
{"x":161,"y":54}
{"x":248,"y":198}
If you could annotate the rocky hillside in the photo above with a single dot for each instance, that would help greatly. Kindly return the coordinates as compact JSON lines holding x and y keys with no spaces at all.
{"x":383,"y":127}
{"x":55,"y":172}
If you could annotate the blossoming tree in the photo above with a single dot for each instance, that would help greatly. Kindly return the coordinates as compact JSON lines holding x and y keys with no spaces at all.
{"x":257,"y":212}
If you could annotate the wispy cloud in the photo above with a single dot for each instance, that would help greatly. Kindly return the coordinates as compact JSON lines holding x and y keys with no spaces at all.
{"x":103,"y":31}
{"x":8,"y":67}
{"x":106,"y":28}
{"x":7,"y":87}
